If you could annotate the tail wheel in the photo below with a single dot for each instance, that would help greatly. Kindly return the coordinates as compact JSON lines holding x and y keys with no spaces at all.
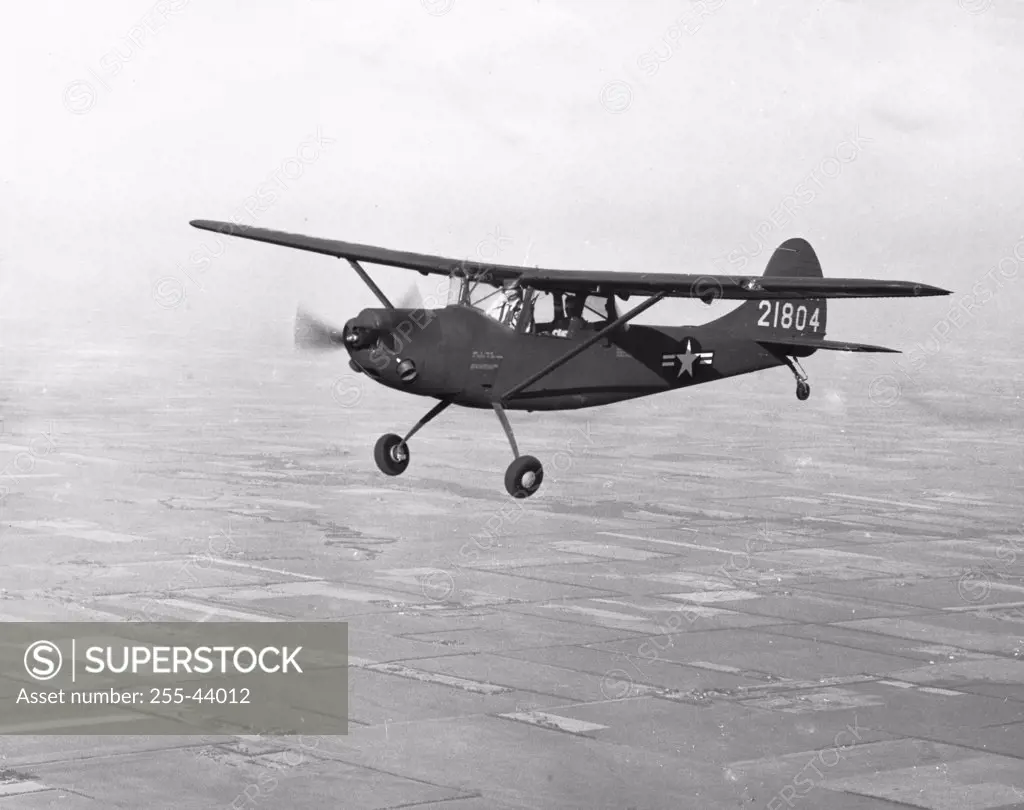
{"x":523,"y":477}
{"x":803,"y":390}
{"x":391,"y":454}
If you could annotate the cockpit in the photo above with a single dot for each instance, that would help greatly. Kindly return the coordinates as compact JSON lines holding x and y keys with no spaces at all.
{"x":536,"y":312}
{"x":558,"y":314}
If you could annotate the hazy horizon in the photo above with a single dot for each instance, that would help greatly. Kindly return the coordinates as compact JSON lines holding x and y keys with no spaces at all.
{"x":560,"y":134}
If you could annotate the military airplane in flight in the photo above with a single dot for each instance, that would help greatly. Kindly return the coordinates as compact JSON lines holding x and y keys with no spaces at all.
{"x":526,"y":338}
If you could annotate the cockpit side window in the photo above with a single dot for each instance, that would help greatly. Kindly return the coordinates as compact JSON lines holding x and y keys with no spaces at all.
{"x":561,"y":314}
{"x":543,"y":308}
{"x":599,"y":309}
{"x":548,"y":315}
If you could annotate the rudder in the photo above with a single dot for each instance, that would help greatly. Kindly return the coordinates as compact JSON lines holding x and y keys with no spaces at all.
{"x":794,"y":257}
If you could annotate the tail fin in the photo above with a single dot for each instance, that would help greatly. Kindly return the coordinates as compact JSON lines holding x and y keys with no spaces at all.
{"x":780,"y":319}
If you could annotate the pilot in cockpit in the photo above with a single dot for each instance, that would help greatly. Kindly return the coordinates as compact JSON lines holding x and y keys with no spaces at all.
{"x":574,"y":306}
{"x":568,"y":316}
{"x":507,"y":305}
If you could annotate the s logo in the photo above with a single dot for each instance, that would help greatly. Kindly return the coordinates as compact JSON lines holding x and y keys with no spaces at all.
{"x":43,"y":660}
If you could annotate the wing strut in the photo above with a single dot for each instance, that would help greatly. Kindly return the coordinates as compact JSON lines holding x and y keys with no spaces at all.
{"x":369,"y":283}
{"x":569,"y":355}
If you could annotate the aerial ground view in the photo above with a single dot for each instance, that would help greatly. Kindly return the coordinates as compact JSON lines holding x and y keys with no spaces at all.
{"x":641,"y":386}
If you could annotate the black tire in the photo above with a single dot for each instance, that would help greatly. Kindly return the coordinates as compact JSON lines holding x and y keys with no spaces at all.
{"x":803,"y":390}
{"x":523,"y":477}
{"x":391,"y":454}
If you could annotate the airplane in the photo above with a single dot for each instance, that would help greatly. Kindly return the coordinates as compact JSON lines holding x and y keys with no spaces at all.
{"x":524,"y":338}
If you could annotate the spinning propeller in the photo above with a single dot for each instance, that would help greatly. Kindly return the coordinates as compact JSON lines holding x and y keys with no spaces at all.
{"x":315,"y":335}
{"x":411,"y":298}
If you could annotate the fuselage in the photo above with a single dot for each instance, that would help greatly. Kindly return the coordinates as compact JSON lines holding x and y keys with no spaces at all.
{"x":459,"y":353}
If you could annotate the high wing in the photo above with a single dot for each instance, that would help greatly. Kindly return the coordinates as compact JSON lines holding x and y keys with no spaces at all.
{"x":623,"y":284}
{"x":421,"y":262}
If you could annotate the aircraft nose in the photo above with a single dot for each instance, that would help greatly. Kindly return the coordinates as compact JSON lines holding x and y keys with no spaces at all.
{"x":364,"y":330}
{"x":358,"y":335}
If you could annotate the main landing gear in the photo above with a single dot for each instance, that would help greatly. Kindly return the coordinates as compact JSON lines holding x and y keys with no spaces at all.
{"x":522,"y":478}
{"x":524,"y":475}
{"x":803,"y":388}
{"x":392,"y":452}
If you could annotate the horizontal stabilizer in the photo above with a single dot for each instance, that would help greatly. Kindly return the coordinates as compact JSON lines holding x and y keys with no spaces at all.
{"x":808,"y":342}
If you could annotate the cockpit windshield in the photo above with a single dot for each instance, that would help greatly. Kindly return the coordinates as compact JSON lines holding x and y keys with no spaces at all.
{"x":502,"y":303}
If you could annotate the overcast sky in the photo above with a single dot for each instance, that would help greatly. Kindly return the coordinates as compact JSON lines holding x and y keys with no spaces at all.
{"x":667,"y":136}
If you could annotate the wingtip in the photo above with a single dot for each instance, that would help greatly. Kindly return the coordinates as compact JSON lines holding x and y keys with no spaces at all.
{"x":228,"y":228}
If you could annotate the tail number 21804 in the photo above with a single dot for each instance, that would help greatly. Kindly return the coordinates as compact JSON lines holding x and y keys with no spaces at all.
{"x":787,"y":316}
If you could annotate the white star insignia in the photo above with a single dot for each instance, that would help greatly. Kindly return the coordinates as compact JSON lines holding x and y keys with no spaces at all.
{"x":687,"y":359}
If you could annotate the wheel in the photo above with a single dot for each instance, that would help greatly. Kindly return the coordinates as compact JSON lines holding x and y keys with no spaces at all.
{"x":803,"y":390}
{"x":523,"y":477}
{"x":391,"y":454}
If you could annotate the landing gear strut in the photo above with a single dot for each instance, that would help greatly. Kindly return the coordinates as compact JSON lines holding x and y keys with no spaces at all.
{"x":525,"y":474}
{"x":803,"y":388}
